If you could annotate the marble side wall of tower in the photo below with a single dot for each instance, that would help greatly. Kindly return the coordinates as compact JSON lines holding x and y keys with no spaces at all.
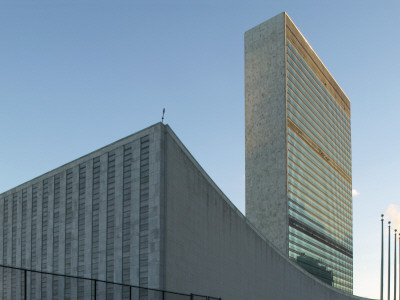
{"x":265,"y":109}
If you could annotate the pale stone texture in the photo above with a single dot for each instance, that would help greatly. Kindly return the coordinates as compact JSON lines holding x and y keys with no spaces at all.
{"x":266,"y":155}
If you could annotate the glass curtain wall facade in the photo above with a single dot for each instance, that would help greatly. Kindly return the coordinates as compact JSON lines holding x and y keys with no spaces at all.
{"x":319,"y":173}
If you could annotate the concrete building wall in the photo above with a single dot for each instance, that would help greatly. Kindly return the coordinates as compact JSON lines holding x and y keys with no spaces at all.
{"x":141,"y":211}
{"x":212,"y":249}
{"x":265,"y":114}
{"x":98,"y":217}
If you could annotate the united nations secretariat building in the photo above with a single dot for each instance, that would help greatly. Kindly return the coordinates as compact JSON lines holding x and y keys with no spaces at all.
{"x":140,"y":218}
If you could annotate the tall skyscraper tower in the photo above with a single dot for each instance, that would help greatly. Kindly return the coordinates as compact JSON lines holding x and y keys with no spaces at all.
{"x":298,"y":152}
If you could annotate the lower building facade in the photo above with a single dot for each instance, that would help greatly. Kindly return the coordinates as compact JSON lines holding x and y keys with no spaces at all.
{"x":141,"y":212}
{"x":97,"y":217}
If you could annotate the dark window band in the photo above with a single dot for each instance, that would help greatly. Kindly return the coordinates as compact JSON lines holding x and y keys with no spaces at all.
{"x":304,"y":228}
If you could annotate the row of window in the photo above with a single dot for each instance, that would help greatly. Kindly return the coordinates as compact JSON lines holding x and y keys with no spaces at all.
{"x":336,"y":155}
{"x":321,"y":110}
{"x":37,"y":210}
{"x":331,"y":201}
{"x":340,"y":264}
{"x":144,"y":213}
{"x":333,"y":146}
{"x":126,"y":217}
{"x":329,"y":102}
{"x":302,"y":111}
{"x":312,"y":196}
{"x":314,"y":161}
{"x":336,"y":184}
{"x":319,"y":173}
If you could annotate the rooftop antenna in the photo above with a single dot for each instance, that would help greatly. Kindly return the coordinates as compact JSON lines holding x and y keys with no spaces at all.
{"x":163,"y":113}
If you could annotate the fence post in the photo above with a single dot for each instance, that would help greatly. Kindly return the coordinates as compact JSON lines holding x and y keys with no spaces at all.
{"x":163,"y":295}
{"x":191,"y":296}
{"x":130,"y":293}
{"x":25,"y":284}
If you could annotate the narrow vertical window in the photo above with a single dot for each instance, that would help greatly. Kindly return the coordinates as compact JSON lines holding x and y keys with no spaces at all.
{"x":110,"y":222}
{"x":144,"y":215}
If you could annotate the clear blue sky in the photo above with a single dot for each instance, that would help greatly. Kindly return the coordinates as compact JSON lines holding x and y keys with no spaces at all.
{"x":76,"y":75}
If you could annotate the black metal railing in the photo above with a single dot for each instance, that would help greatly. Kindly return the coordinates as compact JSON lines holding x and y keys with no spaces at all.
{"x":24,"y":284}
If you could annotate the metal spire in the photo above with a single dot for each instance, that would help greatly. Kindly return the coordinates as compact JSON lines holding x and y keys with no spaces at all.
{"x":163,"y":113}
